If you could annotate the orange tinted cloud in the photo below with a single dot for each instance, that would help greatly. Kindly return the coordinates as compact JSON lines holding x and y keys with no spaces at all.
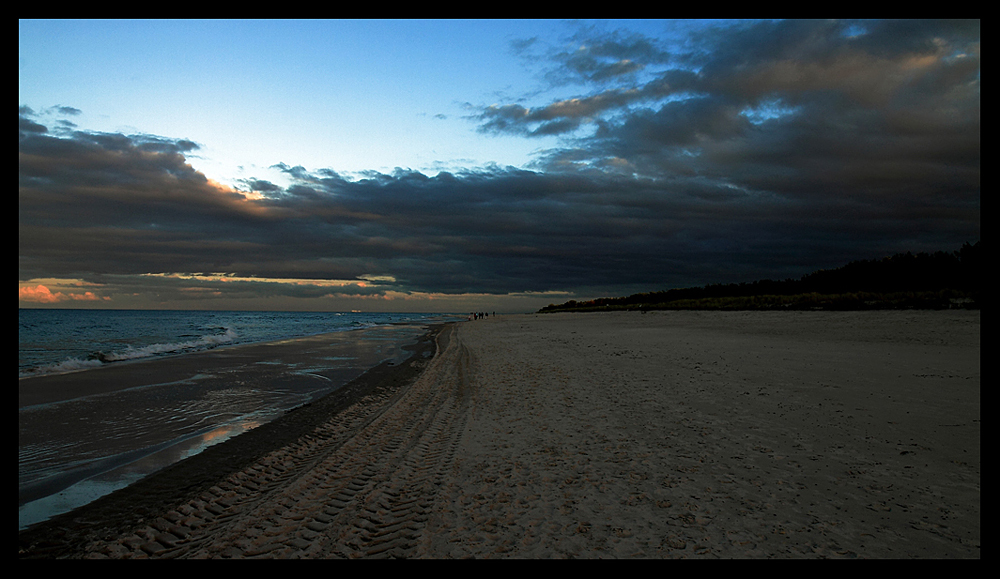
{"x":42,"y":295}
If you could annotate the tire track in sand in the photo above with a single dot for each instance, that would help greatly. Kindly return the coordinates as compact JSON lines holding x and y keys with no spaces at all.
{"x":360,"y":485}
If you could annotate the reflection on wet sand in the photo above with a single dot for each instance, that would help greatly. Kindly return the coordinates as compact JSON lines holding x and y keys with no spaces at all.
{"x":85,"y":434}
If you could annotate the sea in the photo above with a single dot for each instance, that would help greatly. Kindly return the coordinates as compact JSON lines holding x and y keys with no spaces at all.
{"x":165,"y":422}
{"x":56,"y":341}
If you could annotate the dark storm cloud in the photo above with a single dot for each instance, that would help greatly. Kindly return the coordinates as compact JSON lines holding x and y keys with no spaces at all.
{"x":833,"y":67}
{"x":104,"y":204}
{"x":760,"y":150}
{"x":870,"y":119}
{"x":26,"y":125}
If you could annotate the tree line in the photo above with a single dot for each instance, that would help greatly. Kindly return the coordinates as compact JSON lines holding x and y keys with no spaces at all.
{"x":924,"y":280}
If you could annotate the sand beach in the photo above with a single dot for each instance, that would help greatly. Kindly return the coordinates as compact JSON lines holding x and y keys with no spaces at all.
{"x":600,"y":435}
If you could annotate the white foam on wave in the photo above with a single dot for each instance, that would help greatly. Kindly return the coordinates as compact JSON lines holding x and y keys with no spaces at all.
{"x":71,"y":365}
{"x":132,"y":353}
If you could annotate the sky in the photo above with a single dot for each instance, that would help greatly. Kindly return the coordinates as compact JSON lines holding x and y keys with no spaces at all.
{"x":480,"y":165}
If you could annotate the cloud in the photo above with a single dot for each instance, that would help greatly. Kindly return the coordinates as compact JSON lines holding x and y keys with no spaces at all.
{"x":592,"y":56}
{"x":26,"y":125}
{"x":841,"y":77}
{"x":603,"y":57}
{"x":869,"y":119}
{"x":763,"y":149}
{"x":64,"y":110}
{"x":42,"y":295}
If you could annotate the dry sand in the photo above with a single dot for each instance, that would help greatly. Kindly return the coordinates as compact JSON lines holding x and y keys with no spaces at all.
{"x":612,"y":435}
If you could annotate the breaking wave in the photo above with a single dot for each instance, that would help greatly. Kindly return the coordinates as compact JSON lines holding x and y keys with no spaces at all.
{"x":99,"y":358}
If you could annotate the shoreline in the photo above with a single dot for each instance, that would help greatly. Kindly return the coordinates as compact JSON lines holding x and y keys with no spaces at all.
{"x":64,"y":535}
{"x":117,"y":375}
{"x":610,"y":435}
{"x":130,"y":419}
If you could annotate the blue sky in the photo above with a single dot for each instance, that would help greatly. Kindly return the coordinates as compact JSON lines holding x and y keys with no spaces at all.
{"x":452,"y":165}
{"x":348,"y":95}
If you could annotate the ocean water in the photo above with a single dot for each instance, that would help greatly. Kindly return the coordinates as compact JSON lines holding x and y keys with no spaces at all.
{"x":54,"y":341}
{"x":76,"y":450}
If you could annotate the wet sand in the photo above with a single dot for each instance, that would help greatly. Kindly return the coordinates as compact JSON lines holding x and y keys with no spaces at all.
{"x":83,"y":434}
{"x":617,"y":435}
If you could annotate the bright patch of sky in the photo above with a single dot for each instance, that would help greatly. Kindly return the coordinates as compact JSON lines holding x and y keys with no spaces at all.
{"x":350,"y":96}
{"x":766,"y":111}
{"x":854,"y":31}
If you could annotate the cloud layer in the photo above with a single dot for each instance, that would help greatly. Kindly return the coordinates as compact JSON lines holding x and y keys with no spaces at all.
{"x":747,"y":151}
